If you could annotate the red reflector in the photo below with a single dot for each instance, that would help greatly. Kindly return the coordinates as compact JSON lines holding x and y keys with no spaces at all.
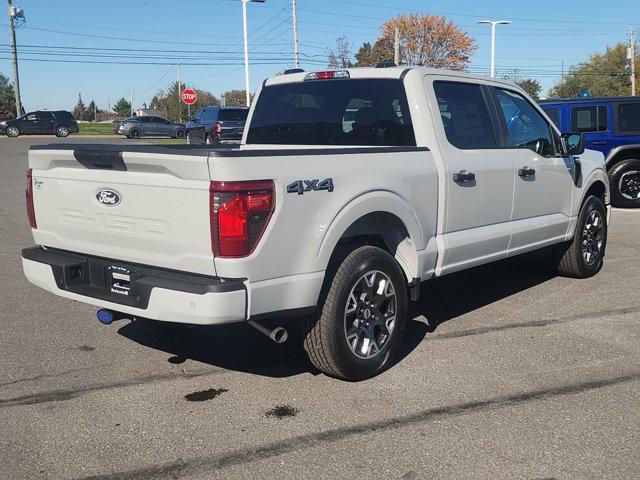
{"x":31,"y":212}
{"x":218,"y":127}
{"x":240,"y":212}
{"x":325,"y":75}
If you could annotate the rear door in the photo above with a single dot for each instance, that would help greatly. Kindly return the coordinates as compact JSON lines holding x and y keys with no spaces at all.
{"x":543,"y":177}
{"x":478,"y":183}
{"x":30,"y":123}
{"x":139,"y":206}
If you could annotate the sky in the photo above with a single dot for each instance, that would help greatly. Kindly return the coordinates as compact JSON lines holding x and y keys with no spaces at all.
{"x":102,"y":49}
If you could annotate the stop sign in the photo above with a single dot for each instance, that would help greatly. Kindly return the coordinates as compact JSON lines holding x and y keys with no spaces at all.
{"x":189,"y":96}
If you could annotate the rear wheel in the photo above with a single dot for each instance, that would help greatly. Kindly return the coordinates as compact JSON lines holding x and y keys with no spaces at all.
{"x":583,"y":257}
{"x":62,"y":131}
{"x":362,"y":316}
{"x":13,"y":131}
{"x":180,"y":133}
{"x":135,"y":133}
{"x":625,"y":183}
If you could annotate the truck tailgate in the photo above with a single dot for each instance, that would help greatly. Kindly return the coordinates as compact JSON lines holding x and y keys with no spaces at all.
{"x":145,"y":205}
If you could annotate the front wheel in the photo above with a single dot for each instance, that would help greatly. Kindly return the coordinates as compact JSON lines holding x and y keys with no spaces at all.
{"x":583,"y":257}
{"x":180,"y":133}
{"x":13,"y":131}
{"x":625,"y":184}
{"x":62,"y":131}
{"x":362,"y":316}
{"x":135,"y":133}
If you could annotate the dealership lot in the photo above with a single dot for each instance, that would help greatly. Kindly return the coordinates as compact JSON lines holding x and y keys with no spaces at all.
{"x":507,"y":372}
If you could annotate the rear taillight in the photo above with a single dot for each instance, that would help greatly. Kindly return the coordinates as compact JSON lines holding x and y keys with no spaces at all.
{"x":218,"y":127}
{"x":30,"y":209}
{"x":240,"y":213}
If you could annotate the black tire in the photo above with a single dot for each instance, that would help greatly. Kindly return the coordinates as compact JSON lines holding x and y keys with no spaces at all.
{"x":180,"y":133}
{"x":625,"y":183}
{"x":572,"y":258}
{"x":134,"y":133}
{"x":12,"y":131}
{"x":326,"y":331}
{"x":62,"y":131}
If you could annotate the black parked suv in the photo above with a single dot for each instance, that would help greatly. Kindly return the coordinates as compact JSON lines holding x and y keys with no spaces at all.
{"x":60,"y":124}
{"x":213,"y":125}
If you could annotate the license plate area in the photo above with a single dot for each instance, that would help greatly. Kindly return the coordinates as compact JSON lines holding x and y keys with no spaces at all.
{"x":119,"y":279}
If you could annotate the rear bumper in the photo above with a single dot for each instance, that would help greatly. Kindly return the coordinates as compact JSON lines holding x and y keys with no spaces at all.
{"x":150,"y":292}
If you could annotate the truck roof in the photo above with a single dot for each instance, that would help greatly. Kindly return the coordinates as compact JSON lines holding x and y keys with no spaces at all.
{"x":391,"y":72}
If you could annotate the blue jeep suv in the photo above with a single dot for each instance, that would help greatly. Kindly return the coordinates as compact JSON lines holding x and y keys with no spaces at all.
{"x":612,"y":126}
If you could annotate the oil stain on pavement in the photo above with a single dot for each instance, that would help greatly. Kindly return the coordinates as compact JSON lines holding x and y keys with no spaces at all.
{"x":205,"y":395}
{"x":282,"y":411}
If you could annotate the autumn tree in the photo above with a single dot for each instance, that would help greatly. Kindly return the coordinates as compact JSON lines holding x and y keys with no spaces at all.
{"x":236,"y":98}
{"x":340,"y":56}
{"x":604,"y":74}
{"x":170,"y":102}
{"x":429,"y":40}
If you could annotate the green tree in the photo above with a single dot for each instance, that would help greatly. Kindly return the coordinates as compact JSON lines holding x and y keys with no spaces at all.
{"x":529,"y":85}
{"x":236,"y":98}
{"x":370,"y":56}
{"x":122,"y":107}
{"x":7,"y":98}
{"x":79,"y":110}
{"x":90,"y":112}
{"x":605,"y":74}
{"x":170,"y":101}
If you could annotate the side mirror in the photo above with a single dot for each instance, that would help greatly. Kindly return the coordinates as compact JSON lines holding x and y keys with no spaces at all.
{"x":573,"y":143}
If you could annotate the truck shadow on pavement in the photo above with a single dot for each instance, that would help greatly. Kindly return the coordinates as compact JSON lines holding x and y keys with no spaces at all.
{"x":239,"y":347}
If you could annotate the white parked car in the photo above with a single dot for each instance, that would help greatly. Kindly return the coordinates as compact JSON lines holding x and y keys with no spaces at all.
{"x":350,"y":190}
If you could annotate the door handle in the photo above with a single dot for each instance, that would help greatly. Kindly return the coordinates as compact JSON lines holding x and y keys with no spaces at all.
{"x":464,"y":176}
{"x":526,"y":172}
{"x":599,"y":142}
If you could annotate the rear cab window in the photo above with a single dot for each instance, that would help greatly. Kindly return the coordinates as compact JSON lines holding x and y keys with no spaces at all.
{"x":367,"y":112}
{"x":465,"y":115}
{"x":233,"y":115}
{"x":589,"y":119}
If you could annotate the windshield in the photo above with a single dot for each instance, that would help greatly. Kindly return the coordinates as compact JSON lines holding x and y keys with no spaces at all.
{"x":367,"y":112}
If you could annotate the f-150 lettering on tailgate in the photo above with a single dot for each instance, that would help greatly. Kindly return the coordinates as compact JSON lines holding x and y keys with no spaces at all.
{"x":116,"y":223}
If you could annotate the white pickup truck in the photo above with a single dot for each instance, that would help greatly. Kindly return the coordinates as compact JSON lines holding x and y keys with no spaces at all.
{"x":349,"y":189}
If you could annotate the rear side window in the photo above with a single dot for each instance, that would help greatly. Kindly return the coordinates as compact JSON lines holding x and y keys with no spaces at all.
{"x":465,"y":115}
{"x":233,"y":115}
{"x":589,"y":119}
{"x":629,"y":117}
{"x":145,"y":119}
{"x":554,"y":115}
{"x":371,"y":112}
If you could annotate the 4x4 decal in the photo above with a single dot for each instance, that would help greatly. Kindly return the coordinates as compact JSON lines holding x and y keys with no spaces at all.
{"x":302,"y":186}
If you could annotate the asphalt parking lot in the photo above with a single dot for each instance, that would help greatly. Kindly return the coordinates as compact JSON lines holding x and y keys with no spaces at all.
{"x":507,"y":371}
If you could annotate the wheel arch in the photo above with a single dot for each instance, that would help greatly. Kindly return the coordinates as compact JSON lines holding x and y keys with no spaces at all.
{"x":597,"y":184}
{"x":382,"y":219}
{"x":623,"y":152}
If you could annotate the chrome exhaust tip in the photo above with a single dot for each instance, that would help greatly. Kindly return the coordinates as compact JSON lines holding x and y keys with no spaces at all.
{"x":278,"y":334}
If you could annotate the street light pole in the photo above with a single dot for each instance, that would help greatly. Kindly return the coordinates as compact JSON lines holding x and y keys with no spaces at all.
{"x":493,"y":24}
{"x":296,"y":46}
{"x":246,"y":47}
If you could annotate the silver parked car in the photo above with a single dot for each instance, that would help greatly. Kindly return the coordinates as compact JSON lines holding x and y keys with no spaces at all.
{"x":147,"y":126}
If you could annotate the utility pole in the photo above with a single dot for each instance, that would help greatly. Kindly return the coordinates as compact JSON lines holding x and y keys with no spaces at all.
{"x":396,"y":47}
{"x":632,"y":59}
{"x":295,"y":32}
{"x":131,"y":101}
{"x":179,"y":95}
{"x":15,"y":12}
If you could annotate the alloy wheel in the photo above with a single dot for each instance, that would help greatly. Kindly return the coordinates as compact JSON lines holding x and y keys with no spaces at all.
{"x":592,"y":237}
{"x":629,"y":185}
{"x":370,"y":314}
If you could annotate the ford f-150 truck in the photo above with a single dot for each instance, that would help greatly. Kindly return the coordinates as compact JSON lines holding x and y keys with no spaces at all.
{"x":350,"y":189}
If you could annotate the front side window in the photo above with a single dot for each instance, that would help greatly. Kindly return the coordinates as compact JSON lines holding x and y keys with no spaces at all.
{"x":368,"y":112}
{"x":465,"y":115}
{"x":629,"y":117}
{"x":526,"y":127}
{"x":589,"y":119}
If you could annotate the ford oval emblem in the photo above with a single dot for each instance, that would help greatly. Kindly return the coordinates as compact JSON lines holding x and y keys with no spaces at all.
{"x":109,"y":198}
